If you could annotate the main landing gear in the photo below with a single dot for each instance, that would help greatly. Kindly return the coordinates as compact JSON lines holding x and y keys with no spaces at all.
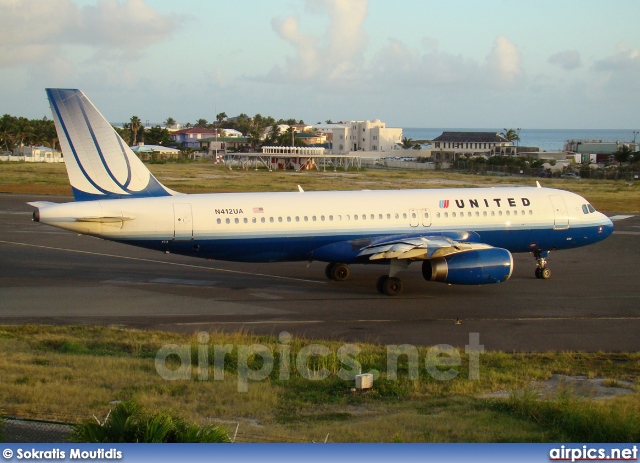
{"x":390,"y":284}
{"x":337,"y":271}
{"x":386,"y":284}
{"x":542,"y":271}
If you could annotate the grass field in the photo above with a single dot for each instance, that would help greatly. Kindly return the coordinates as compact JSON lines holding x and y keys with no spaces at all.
{"x":207,"y":177}
{"x":70,"y":373}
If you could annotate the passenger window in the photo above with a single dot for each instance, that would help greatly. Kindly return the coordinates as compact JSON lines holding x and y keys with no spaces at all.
{"x":263,"y":220}
{"x":355,"y":216}
{"x":245,"y":220}
{"x":288,"y":219}
{"x":364,"y":216}
{"x":446,"y":214}
{"x":484,"y":213}
{"x":279,"y":219}
{"x":522,"y":213}
{"x":397,"y":216}
{"x":271,"y":219}
{"x":468,"y":214}
{"x":228,"y":221}
{"x":404,"y":215}
{"x":297,"y":219}
{"x":493,"y":213}
{"x":237,"y":220}
{"x":500,"y":213}
{"x":339,"y":217}
{"x":306,"y":219}
{"x":218,"y":221}
{"x":437,"y":214}
{"x":515,"y":212}
{"x":322,"y":218}
{"x":380,"y":216}
{"x":453,"y":214}
{"x":313,"y":218}
{"x":253,"y":220}
{"x":372,"y":217}
{"x":330,"y":218}
{"x":530,"y":211}
{"x":388,"y":216}
{"x":347,"y":217}
{"x":508,"y":213}
{"x":477,"y":214}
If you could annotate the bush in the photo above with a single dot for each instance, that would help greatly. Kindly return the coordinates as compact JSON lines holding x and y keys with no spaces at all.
{"x":128,"y":422}
{"x":1,"y":431}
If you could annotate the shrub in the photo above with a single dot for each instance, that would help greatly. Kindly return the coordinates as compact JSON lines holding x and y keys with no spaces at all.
{"x":128,"y":422}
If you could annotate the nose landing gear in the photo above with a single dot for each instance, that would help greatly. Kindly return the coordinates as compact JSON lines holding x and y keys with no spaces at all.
{"x":542,"y":271}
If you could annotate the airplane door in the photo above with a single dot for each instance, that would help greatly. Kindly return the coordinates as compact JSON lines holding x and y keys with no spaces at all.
{"x":560,"y":215}
{"x":183,"y":222}
{"x":413,"y":215}
{"x":426,"y":218}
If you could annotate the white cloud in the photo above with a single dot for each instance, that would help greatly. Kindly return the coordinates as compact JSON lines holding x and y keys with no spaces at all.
{"x":616,"y":76}
{"x":504,"y":63}
{"x":567,"y":60}
{"x":35,"y":32}
{"x":335,"y":57}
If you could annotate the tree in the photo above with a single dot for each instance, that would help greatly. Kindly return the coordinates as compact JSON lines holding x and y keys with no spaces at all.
{"x":158,"y":136}
{"x":510,"y":135}
{"x":202,"y":123}
{"x":623,"y":154}
{"x":134,"y":125}
{"x":170,"y":122}
{"x":221,"y":117}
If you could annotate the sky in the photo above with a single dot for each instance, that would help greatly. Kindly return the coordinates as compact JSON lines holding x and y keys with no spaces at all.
{"x":537,"y":64}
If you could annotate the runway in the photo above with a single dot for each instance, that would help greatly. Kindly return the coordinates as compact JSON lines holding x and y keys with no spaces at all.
{"x":49,"y":276}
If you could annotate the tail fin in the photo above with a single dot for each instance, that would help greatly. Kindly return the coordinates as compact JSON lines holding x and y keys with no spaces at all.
{"x":99,"y":163}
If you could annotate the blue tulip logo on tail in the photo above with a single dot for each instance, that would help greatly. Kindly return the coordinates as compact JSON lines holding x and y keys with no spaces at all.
{"x":99,"y":163}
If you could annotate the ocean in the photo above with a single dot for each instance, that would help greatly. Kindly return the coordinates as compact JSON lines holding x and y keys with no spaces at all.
{"x":545,"y":139}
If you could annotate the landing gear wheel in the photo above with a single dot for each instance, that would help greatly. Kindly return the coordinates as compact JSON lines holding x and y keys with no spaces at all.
{"x":339,"y":272}
{"x":542,"y":272}
{"x":380,"y":283}
{"x":392,"y":286}
{"x":328,"y":269}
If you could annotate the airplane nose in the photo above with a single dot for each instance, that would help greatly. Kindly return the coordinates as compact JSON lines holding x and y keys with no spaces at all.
{"x":607,"y":228}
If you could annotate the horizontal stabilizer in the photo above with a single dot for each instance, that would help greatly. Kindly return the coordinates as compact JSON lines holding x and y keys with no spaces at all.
{"x":41,"y":204}
{"x":104,"y":219}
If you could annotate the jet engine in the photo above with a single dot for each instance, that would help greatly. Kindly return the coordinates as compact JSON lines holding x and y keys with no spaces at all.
{"x":473,"y":267}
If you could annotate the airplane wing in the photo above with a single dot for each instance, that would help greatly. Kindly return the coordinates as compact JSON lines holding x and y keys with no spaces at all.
{"x":419,"y":248}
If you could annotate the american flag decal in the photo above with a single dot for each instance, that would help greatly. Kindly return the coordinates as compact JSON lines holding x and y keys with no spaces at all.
{"x":444,"y":203}
{"x":258,"y":210}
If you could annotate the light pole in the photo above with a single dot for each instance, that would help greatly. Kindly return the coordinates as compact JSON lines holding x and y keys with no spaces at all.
{"x":518,"y":140}
{"x":635,"y":133}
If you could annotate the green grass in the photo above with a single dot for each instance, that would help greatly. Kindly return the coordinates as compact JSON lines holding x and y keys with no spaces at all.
{"x":207,"y":177}
{"x":71,"y":373}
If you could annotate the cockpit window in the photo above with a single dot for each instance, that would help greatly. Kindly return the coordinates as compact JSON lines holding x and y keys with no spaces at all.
{"x":591,"y":208}
{"x":585,"y":209}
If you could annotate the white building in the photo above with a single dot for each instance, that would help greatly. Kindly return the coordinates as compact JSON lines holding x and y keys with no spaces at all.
{"x":361,"y":136}
{"x":35,"y":154}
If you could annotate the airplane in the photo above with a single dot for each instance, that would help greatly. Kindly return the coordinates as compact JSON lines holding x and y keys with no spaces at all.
{"x":462,"y":236}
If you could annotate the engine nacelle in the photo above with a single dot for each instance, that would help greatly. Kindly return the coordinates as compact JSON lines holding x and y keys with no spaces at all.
{"x":476,"y":267}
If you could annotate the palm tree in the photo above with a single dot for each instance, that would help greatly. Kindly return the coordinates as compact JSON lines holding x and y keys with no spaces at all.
{"x":134,"y":125}
{"x":510,"y":135}
{"x":170,"y":122}
{"x":202,"y":123}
